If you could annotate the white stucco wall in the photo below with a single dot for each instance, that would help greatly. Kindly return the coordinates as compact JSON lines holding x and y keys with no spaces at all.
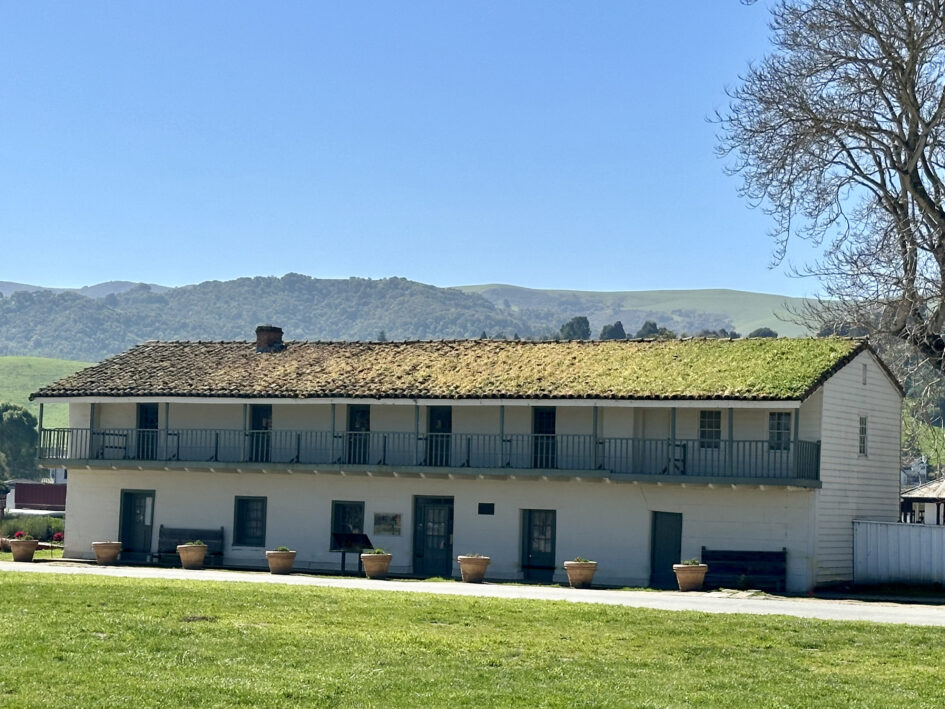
{"x":855,"y":486}
{"x":609,"y":522}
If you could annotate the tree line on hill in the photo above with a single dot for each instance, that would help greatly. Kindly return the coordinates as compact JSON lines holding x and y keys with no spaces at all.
{"x":69,"y":325}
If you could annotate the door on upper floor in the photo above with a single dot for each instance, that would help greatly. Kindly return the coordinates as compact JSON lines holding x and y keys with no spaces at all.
{"x":359,"y":436}
{"x":147,"y":431}
{"x":260,"y":425}
{"x":439,"y":433}
{"x":544,"y":450}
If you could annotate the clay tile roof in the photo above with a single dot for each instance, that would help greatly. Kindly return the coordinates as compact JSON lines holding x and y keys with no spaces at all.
{"x":766,"y":369}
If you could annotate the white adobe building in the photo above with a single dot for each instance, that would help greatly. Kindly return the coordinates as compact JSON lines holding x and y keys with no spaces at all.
{"x":635,"y":454}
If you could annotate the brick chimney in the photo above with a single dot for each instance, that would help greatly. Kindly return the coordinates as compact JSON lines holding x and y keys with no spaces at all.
{"x":269,"y":339}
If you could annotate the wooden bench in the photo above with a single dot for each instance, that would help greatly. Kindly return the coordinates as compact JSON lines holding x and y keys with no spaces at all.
{"x":170,"y":537}
{"x":764,"y":570}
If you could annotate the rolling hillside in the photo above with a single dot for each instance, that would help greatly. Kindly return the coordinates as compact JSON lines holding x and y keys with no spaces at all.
{"x":95,"y":322}
{"x":679,"y":310}
{"x":20,"y":376}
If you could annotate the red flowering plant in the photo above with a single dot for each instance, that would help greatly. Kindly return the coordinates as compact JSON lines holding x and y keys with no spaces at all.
{"x":23,"y":536}
{"x":58,"y":537}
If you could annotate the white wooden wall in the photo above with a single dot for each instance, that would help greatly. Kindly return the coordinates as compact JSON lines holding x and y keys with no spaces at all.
{"x":890,"y":552}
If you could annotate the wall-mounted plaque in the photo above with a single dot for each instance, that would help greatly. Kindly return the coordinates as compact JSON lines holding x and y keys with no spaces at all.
{"x":387,"y":523}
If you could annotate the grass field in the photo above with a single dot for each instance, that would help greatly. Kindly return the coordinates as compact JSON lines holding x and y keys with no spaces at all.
{"x":20,"y":376}
{"x":93,"y":641}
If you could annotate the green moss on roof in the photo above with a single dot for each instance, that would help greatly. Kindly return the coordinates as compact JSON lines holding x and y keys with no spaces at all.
{"x":690,"y":369}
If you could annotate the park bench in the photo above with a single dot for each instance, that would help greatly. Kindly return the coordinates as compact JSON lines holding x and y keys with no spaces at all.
{"x":764,"y":570}
{"x":170,"y":537}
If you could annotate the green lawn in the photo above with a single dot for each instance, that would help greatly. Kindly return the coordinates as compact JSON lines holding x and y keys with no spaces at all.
{"x":93,"y":641}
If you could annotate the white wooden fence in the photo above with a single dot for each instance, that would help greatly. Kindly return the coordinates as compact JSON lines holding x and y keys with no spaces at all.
{"x":893,"y":552}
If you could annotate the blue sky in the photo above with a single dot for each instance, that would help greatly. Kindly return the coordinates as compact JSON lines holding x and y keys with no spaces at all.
{"x":545,"y":144}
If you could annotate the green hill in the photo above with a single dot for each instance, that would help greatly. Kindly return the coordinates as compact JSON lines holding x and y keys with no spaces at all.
{"x":20,"y":376}
{"x":74,"y":326}
{"x":683,"y":311}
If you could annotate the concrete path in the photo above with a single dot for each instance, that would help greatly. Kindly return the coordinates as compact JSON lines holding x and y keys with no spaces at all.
{"x":712,"y":602}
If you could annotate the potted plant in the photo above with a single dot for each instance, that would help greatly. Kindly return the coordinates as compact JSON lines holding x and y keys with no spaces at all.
{"x":690,"y":574}
{"x":472,"y":567}
{"x":106,"y":552}
{"x":192,"y":554}
{"x":23,"y":546}
{"x":580,"y":572}
{"x":280,"y":560}
{"x":376,"y":562}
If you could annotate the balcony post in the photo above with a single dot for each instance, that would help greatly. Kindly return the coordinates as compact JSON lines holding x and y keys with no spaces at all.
{"x":331,"y":441}
{"x":502,"y":436}
{"x":671,"y":463}
{"x":797,"y":432}
{"x":91,"y":429}
{"x":595,"y":443}
{"x":416,"y":433}
{"x":167,"y":425}
{"x":731,"y":441}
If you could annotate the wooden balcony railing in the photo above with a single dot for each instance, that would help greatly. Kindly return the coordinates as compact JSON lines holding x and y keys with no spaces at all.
{"x":767,"y":459}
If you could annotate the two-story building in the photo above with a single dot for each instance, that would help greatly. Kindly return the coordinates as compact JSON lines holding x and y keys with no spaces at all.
{"x":635,"y":454}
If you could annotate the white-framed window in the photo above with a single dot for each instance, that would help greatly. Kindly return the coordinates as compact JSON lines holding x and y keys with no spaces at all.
{"x":779,"y":430}
{"x":863,"y":433}
{"x":710,"y":429}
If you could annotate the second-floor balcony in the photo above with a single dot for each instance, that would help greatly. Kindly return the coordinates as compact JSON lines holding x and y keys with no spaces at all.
{"x":752,"y":459}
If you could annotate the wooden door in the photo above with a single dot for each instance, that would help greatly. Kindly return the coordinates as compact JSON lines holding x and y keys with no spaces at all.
{"x":538,"y":545}
{"x":543,"y":430}
{"x":359,"y":436}
{"x":433,"y":536}
{"x":136,"y":524}
{"x":439,"y":433}
{"x":147,"y":432}
{"x":260,"y":423}
{"x":665,"y":548}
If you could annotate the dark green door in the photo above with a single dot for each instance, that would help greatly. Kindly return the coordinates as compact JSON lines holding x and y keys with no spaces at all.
{"x":260,"y":423}
{"x":137,"y":518}
{"x":147,"y":433}
{"x":665,"y":548}
{"x":543,"y":430}
{"x":538,"y":545}
{"x":433,"y":536}
{"x":359,"y":436}
{"x":440,"y":427}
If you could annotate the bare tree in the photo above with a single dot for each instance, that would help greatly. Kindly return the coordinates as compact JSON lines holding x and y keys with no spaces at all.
{"x":839,"y":134}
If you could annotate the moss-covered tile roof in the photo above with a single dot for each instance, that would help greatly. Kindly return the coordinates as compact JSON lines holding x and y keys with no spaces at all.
{"x":764,"y":369}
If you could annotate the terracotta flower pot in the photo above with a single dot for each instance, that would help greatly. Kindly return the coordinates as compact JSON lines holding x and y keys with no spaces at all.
{"x":106,"y":552}
{"x":192,"y":555}
{"x":280,"y":562}
{"x":580,"y":573}
{"x":23,"y":549}
{"x":473,"y":568}
{"x":4,"y":544}
{"x":376,"y":566}
{"x":690,"y":577}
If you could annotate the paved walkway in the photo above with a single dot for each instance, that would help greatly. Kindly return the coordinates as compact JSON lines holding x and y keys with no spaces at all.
{"x":712,"y":602}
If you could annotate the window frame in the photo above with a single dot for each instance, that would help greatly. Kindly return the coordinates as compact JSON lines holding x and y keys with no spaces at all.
{"x":779,"y":430}
{"x":863,"y":437}
{"x":335,"y":505}
{"x":241,"y":521}
{"x":710,"y":434}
